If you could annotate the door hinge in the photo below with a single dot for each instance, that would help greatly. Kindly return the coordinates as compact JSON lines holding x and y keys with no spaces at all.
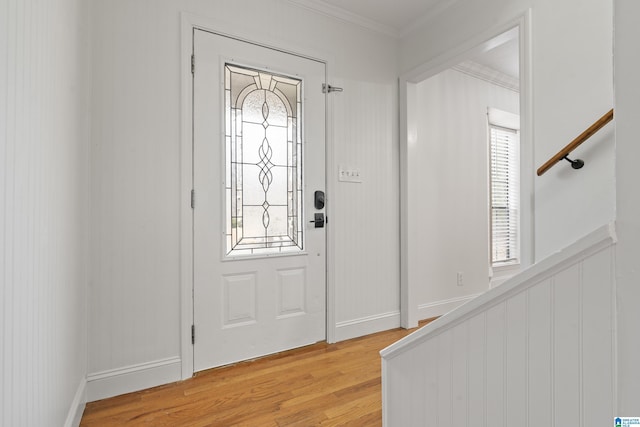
{"x":193,"y":199}
{"x":193,"y":64}
{"x":193,"y":334}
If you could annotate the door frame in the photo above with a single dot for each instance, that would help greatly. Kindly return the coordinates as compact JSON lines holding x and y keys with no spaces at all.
{"x":190,"y":22}
{"x":408,"y":134}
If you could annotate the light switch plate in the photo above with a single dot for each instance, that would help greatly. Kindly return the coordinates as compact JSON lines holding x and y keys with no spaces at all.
{"x":349,"y":174}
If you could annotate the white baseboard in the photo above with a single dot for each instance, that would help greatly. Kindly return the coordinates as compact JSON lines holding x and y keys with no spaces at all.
{"x":101,"y":385}
{"x":367,"y":325}
{"x":77,"y":405}
{"x":442,"y":307}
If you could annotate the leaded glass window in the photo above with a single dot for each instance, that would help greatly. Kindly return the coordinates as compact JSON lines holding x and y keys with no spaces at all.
{"x":263,"y":147}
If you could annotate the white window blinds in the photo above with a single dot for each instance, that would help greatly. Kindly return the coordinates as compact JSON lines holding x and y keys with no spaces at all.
{"x":505,"y":195}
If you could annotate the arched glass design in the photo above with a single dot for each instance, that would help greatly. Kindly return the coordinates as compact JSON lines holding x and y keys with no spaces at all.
{"x":263,"y":147}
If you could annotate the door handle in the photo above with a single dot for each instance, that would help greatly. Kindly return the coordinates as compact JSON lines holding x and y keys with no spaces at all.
{"x":318,"y":220}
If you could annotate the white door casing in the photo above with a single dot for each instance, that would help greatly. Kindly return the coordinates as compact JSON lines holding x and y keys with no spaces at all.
{"x":247,"y":306}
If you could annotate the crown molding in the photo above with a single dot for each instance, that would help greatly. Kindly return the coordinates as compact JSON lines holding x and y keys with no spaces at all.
{"x":488,"y":74}
{"x":329,"y":10}
{"x":323,"y":8}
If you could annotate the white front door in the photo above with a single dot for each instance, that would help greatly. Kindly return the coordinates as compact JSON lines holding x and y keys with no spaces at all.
{"x":258,"y":161}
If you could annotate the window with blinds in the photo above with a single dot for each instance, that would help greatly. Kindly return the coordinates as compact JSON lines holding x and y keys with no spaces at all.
{"x":505,"y":195}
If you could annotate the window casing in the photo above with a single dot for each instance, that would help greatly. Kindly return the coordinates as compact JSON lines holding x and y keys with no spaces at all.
{"x":504,"y":195}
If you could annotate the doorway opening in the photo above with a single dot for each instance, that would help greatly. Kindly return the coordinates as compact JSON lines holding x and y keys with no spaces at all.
{"x":448,"y":160}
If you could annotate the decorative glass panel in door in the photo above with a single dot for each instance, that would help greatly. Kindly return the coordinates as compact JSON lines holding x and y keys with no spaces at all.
{"x":263,"y":162}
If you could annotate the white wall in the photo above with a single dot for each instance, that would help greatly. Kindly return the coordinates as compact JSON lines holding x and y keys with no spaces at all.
{"x":43,"y":211}
{"x":627,"y":111}
{"x":572,"y":87}
{"x":134,"y":293}
{"x":448,"y":188}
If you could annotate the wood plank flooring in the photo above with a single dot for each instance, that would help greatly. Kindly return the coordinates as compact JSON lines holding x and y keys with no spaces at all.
{"x":319,"y":385}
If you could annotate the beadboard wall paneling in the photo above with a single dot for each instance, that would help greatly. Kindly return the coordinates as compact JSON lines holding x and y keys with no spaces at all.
{"x":43,"y":211}
{"x":536,"y":351}
{"x":365,"y":215}
{"x":133,"y":293}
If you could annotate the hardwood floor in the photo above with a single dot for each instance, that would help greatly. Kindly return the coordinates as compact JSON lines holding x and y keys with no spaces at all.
{"x":319,"y":385}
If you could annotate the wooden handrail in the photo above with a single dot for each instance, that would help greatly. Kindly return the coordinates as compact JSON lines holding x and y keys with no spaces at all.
{"x":576,"y":142}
